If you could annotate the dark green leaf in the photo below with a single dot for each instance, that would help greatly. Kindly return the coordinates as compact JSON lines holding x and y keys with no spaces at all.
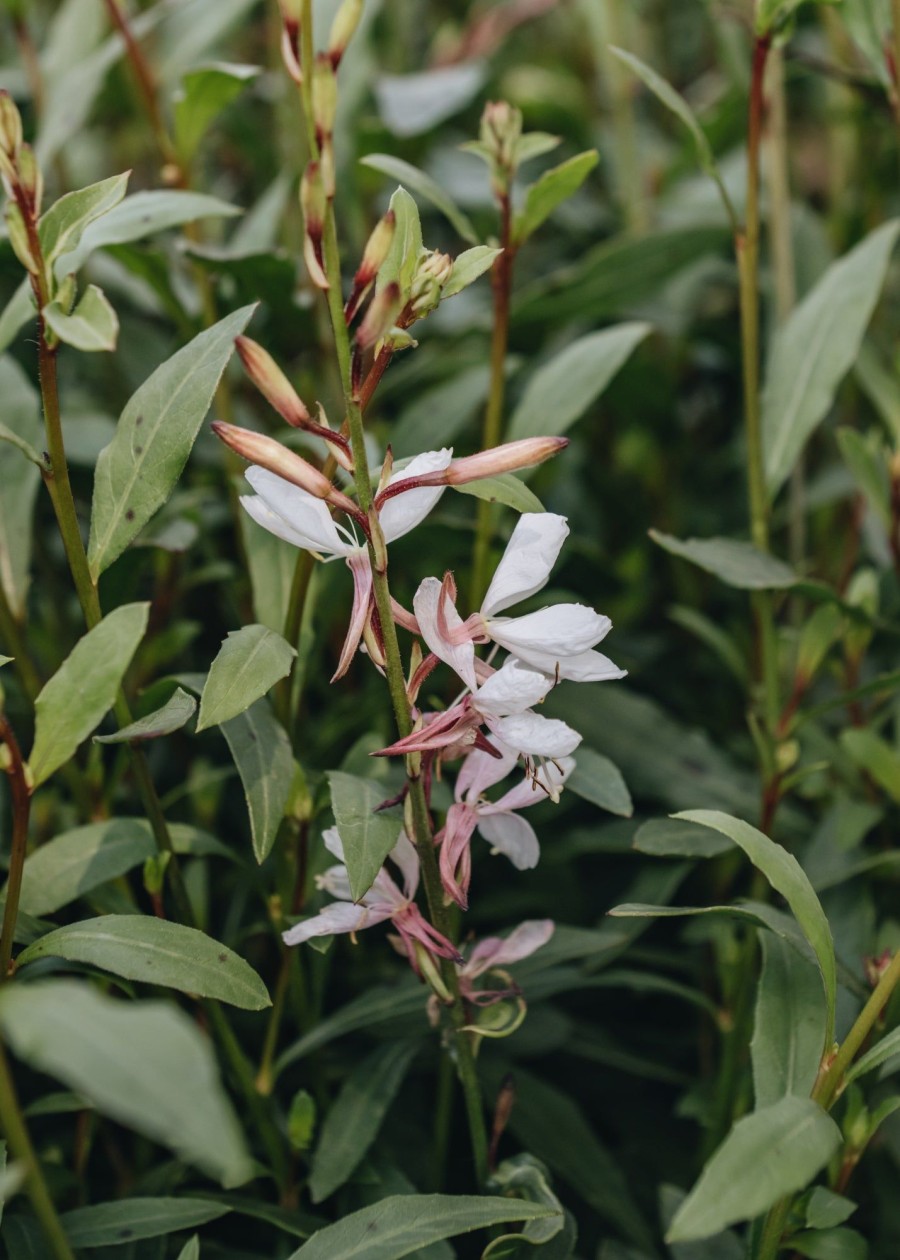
{"x":19,"y":481}
{"x":507,"y":489}
{"x":368,"y":837}
{"x":599,"y":780}
{"x":737,"y":563}
{"x":789,"y":1028}
{"x":177,"y":710}
{"x":127,"y":1220}
{"x":262,"y":754}
{"x":206,"y":92}
{"x":666,"y":837}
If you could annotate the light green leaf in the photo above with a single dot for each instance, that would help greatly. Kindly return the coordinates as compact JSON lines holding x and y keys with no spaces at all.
{"x":817,"y":346}
{"x":138,"y":470}
{"x":140,"y":947}
{"x":599,"y":780}
{"x":191,"y":1249}
{"x":534,"y":144}
{"x":404,"y":1223}
{"x":80,"y":693}
{"x":507,"y":489}
{"x":737,"y":563}
{"x":666,"y":837}
{"x":551,"y":190}
{"x":830,"y":1244}
{"x":876,"y":379}
{"x":561,"y":391}
{"x":19,"y":311}
{"x":884,"y":1050}
{"x":141,"y":215}
{"x":875,"y":756}
{"x":403,"y":255}
{"x":467,"y":267}
{"x":111,"y":1224}
{"x":789,"y":1029}
{"x":249,"y":663}
{"x":367,"y":836}
{"x":262,"y":754}
{"x":787,"y":877}
{"x":20,"y":415}
{"x":22,"y":446}
{"x":525,"y":1177}
{"x":869,"y":23}
{"x":866,"y":458}
{"x":60,"y":229}
{"x":169,"y":1091}
{"x":205,"y":93}
{"x":92,"y":326}
{"x":411,"y":177}
{"x":177,"y":710}
{"x":766,"y":1156}
{"x":352,"y":1124}
{"x":826,"y":1209}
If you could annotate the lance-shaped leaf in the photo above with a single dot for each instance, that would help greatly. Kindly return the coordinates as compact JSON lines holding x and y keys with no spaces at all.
{"x":767,"y":1155}
{"x":81,"y":692}
{"x":92,"y":326}
{"x":787,"y":877}
{"x":551,"y":190}
{"x":205,"y":93}
{"x":177,"y":710}
{"x":882,"y":1052}
{"x":789,"y":1028}
{"x":137,"y":472}
{"x":19,"y":480}
{"x":875,"y":756}
{"x":250,"y":662}
{"x":145,"y":1065}
{"x":191,"y":1249}
{"x":368,"y":837}
{"x":60,"y":229}
{"x":507,"y":489}
{"x":561,"y":391}
{"x":817,"y":346}
{"x":403,"y":255}
{"x":106,"y":1224}
{"x":403,"y":1224}
{"x":262,"y":754}
{"x":470,"y":264}
{"x":411,"y":177}
{"x":599,"y":780}
{"x":735,"y":562}
{"x":140,"y":947}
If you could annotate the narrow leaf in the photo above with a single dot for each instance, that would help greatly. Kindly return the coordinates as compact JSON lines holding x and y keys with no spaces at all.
{"x":127,"y":1220}
{"x":884,"y":1050}
{"x":250,"y":662}
{"x":93,"y":326}
{"x":262,"y":754}
{"x":874,"y":756}
{"x":368,"y":837}
{"x":138,"y":470}
{"x":467,"y":267}
{"x":551,"y":190}
{"x":737,"y":563}
{"x":411,"y":177}
{"x":140,"y":947}
{"x":789,"y":1028}
{"x":599,"y":780}
{"x":507,"y":489}
{"x":177,"y":710}
{"x":205,"y":93}
{"x":19,"y":482}
{"x":666,"y":837}
{"x":84,"y":687}
{"x":61,"y":227}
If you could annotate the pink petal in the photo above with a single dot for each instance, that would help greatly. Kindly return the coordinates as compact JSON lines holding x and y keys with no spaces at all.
{"x":521,"y":943}
{"x":480,"y":771}
{"x":432,"y":606}
{"x":362,"y":598}
{"x":341,"y":916}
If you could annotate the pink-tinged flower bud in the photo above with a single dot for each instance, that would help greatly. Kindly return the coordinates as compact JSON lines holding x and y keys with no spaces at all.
{"x":376,"y":251}
{"x":313,"y":201}
{"x":289,"y":54}
{"x":324,"y":96}
{"x":509,"y":457}
{"x":271,"y":382}
{"x":10,"y":126}
{"x":19,"y":239}
{"x":501,"y":127}
{"x":379,"y":318}
{"x":343,"y":29}
{"x":264,"y":451}
{"x":31,"y":181}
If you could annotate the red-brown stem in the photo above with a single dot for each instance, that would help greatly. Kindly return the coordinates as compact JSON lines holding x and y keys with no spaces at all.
{"x":146,"y":85}
{"x":21,"y":806}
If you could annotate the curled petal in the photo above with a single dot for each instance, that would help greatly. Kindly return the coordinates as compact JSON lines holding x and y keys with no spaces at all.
{"x":436,"y":615}
{"x":443,"y":730}
{"x":403,"y":512}
{"x":512,"y":689}
{"x":362,"y":599}
{"x":525,"y":566}
{"x":481,"y":771}
{"x":405,"y":858}
{"x":304,"y":519}
{"x":545,"y":783}
{"x":521,"y":943}
{"x":413,"y":927}
{"x":455,"y":857}
{"x":512,"y":836}
{"x":340,"y":916}
{"x":560,"y":630}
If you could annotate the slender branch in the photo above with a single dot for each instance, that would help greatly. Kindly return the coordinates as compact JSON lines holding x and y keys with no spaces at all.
{"x":827,"y":1088}
{"x":21,"y":806}
{"x":146,"y":85}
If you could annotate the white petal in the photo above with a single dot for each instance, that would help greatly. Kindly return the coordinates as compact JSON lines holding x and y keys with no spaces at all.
{"x":333,"y":843}
{"x":336,"y":882}
{"x":521,"y":943}
{"x":480,"y":771}
{"x":530,"y":555}
{"x":562,"y":630}
{"x":460,"y":657}
{"x":589,"y":667}
{"x":514,"y":837}
{"x":537,"y":736}
{"x":303,"y":514}
{"x":403,"y":513}
{"x":405,"y":857}
{"x":549,"y":779}
{"x":341,"y":916}
{"x":512,"y":689}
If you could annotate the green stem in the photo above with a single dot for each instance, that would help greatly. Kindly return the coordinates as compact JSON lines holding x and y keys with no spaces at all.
{"x":492,"y":432}
{"x":14,"y":1129}
{"x":21,"y":806}
{"x":828,"y":1085}
{"x":895,"y":12}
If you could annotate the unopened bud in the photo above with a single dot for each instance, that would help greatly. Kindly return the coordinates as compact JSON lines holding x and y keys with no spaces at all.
{"x":501,"y":127}
{"x":18,"y":238}
{"x":509,"y":457}
{"x":376,"y":251}
{"x":256,"y":448}
{"x":155,"y":873}
{"x":313,"y":201}
{"x":379,"y":546}
{"x":431,"y":275}
{"x":67,"y":292}
{"x":425,"y":966}
{"x":324,"y":96}
{"x":876,"y":966}
{"x":271,"y":382}
{"x":343,"y":29}
{"x":10,"y":126}
{"x":31,"y":181}
{"x":379,"y":318}
{"x":326,"y":164}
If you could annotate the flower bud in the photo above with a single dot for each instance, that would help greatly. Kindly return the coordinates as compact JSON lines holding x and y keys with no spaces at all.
{"x":67,"y":292}
{"x":271,"y":382}
{"x":343,"y":29}
{"x":509,"y":457}
{"x":379,"y":318}
{"x":324,"y":96}
{"x":256,"y":448}
{"x":31,"y":181}
{"x":376,"y":251}
{"x":425,"y":966}
{"x":431,"y":275}
{"x":501,"y":127}
{"x":313,"y":202}
{"x":18,"y":238}
{"x":10,"y":126}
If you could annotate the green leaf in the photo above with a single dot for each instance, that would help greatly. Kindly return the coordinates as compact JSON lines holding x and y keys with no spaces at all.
{"x":877,"y":381}
{"x":787,"y":877}
{"x":380,"y":1004}
{"x":551,"y":190}
{"x":22,"y":446}
{"x":205,"y":93}
{"x":20,"y":414}
{"x":411,"y":177}
{"x":467,"y":267}
{"x":737,"y":563}
{"x":262,"y":754}
{"x":177,"y":710}
{"x":127,"y":1220}
{"x":18,"y":312}
{"x":599,"y":780}
{"x":869,"y":23}
{"x":403,"y":255}
{"x":250,"y":662}
{"x":368,"y":837}
{"x":866,"y":458}
{"x":141,"y":215}
{"x":145,"y":1065}
{"x":138,"y":470}
{"x":140,"y":947}
{"x":92,"y":326}
{"x":272,"y":563}
{"x":191,"y":1249}
{"x":830,"y":1244}
{"x":817,"y":346}
{"x":83,"y":689}
{"x":665,"y":837}
{"x":352,"y":1124}
{"x":61,"y":228}
{"x":884,"y":1050}
{"x":875,"y":756}
{"x":525,"y":1177}
{"x":767,"y":1155}
{"x":561,"y":391}
{"x":675,"y":102}
{"x":789,"y":1028}
{"x":507,"y":489}
{"x":826,"y":1209}
{"x":403,"y":1223}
